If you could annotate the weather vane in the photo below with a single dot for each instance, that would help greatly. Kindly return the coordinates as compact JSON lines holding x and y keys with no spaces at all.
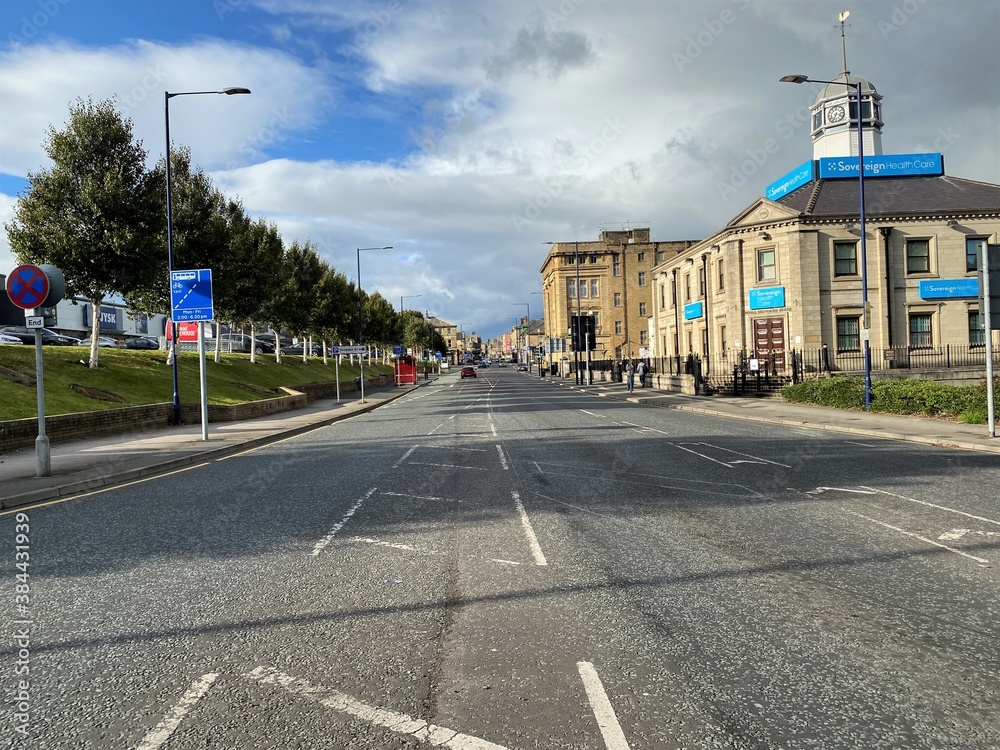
{"x":843,"y":44}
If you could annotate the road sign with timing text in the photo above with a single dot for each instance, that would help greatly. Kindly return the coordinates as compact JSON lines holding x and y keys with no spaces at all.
{"x":191,"y":295}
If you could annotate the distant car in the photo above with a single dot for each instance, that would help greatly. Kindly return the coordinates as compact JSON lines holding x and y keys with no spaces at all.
{"x":6,"y":338}
{"x":522,"y":367}
{"x":502,"y":364}
{"x":468,"y":372}
{"x":296,"y":350}
{"x":102,"y":341}
{"x":484,"y":365}
{"x":143,"y":342}
{"x":240,"y":342}
{"x":27,"y":336}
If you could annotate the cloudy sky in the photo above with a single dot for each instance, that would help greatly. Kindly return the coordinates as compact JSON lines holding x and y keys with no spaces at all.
{"x":466,"y":133}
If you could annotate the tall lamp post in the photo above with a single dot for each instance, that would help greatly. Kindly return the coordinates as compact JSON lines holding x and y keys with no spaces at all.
{"x":865,"y":314}
{"x":361,"y":325}
{"x":407,"y":296}
{"x":167,"y":96}
{"x":527,"y":325}
{"x":579,"y":332}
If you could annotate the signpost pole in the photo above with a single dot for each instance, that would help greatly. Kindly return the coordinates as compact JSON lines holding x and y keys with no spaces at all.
{"x":43,"y":455}
{"x":204,"y":380}
{"x":336,"y":368}
{"x":984,"y":267}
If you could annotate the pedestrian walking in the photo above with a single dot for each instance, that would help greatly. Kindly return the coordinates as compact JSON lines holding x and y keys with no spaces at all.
{"x":641,"y":372}
{"x":629,"y":377}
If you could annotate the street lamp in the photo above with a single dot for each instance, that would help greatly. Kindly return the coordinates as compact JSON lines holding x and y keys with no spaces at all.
{"x":407,"y":296}
{"x":865,"y":315}
{"x":527,"y":317}
{"x":361,"y":327}
{"x":579,"y":333}
{"x":167,"y":96}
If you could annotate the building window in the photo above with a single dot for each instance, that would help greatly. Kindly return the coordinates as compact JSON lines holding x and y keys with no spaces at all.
{"x":848,"y":334}
{"x":642,"y":278}
{"x":704,"y":342}
{"x":593,"y":259}
{"x":663,"y":296}
{"x":845,"y":259}
{"x":570,"y":260}
{"x":597,"y":320}
{"x":616,"y":268}
{"x":687,"y":287}
{"x":659,"y":258}
{"x":583,"y":288}
{"x":765,"y":265}
{"x":571,"y":288}
{"x":643,"y":338}
{"x":593,"y":287}
{"x":918,"y":256}
{"x":977,"y":336}
{"x":642,"y":309}
{"x":618,"y":299}
{"x":971,"y":246}
{"x":701,"y":280}
{"x":722,"y":274}
{"x":920,"y":330}
{"x":673,"y":293}
{"x":618,"y":328}
{"x":641,"y":257}
{"x":722,"y":340}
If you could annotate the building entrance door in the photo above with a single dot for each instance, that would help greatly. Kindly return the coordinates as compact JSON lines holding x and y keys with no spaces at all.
{"x":769,"y":341}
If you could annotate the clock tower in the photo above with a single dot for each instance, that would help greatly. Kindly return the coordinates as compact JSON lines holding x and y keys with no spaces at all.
{"x":834,"y":117}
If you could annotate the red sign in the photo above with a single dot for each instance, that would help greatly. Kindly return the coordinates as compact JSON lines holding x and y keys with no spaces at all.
{"x":27,"y":287}
{"x":185,"y":331}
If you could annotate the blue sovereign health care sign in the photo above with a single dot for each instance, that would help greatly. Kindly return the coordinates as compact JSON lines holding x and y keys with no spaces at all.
{"x":949,"y":288}
{"x":767,"y":298}
{"x":694,"y":310}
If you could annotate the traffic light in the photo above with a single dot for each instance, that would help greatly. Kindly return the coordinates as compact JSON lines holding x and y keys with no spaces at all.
{"x":587,"y":330}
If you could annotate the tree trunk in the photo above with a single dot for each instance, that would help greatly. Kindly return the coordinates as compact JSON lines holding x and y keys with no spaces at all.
{"x":95,"y":329}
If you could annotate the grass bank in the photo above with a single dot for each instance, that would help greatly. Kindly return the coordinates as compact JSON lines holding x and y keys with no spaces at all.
{"x":134,"y":377}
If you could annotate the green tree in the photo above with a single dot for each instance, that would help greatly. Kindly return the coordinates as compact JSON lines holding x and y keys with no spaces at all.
{"x":94,"y":214}
{"x":296,"y":298}
{"x":336,"y":300}
{"x":381,"y":322}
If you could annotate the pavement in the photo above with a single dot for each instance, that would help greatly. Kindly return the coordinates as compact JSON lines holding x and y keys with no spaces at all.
{"x":87,"y":465}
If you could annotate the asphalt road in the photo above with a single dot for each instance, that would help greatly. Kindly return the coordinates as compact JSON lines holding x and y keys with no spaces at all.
{"x":497,"y":563}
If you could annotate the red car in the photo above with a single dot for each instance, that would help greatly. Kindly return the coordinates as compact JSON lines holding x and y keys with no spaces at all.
{"x":468,"y":372}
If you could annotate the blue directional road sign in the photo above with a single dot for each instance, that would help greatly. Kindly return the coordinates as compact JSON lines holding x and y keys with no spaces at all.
{"x":191,"y":295}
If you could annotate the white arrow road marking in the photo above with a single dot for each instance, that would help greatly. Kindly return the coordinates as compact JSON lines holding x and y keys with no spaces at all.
{"x":536,"y":549}
{"x":611,"y":730}
{"x":159,"y":734}
{"x":391,"y":720}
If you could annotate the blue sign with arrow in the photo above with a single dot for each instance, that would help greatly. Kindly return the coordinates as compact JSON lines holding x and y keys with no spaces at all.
{"x":191,"y":295}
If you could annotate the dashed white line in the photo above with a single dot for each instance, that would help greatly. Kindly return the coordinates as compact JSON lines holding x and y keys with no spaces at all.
{"x":436,"y":429}
{"x":599,"y":416}
{"x":447,"y":466}
{"x":391,"y":720}
{"x":493,"y":429}
{"x":159,"y":734}
{"x":405,"y":456}
{"x":939,"y":507}
{"x":321,"y":544}
{"x":611,"y":730}
{"x":917,"y":536}
{"x":503,"y":458}
{"x":419,"y":550}
{"x":536,"y":550}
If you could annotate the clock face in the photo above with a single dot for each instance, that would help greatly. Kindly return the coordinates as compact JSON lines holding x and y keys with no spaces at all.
{"x":835,"y":114}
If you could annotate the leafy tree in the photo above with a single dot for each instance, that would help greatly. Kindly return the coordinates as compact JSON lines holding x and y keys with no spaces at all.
{"x":296,"y":299}
{"x":381,"y":321}
{"x":336,"y":301}
{"x":94,"y":214}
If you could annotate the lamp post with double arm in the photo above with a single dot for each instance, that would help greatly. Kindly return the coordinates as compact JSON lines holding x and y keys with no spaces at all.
{"x":167,"y":96}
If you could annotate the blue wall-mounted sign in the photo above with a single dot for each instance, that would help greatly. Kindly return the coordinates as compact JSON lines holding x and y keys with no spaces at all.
{"x":108,"y":318}
{"x":949,"y":288}
{"x":768,"y":298}
{"x":883,"y":165}
{"x":694,"y":310}
{"x":791,"y":181}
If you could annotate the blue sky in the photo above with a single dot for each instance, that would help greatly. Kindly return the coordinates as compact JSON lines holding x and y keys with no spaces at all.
{"x":468,"y":133}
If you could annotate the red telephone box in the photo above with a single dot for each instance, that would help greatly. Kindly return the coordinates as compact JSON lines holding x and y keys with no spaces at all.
{"x":404,"y":370}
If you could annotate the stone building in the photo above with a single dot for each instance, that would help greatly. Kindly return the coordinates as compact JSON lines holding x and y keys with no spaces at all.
{"x":609,"y":280}
{"x":786,"y":273}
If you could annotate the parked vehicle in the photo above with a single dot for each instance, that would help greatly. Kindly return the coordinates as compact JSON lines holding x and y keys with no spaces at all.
{"x":240,"y":342}
{"x":296,"y":350}
{"x":6,"y":338}
{"x":27,"y":335}
{"x":143,"y":342}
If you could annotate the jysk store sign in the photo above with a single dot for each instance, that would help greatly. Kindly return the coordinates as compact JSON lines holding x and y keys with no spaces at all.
{"x":949,"y":288}
{"x":767,"y":299}
{"x":108,"y":318}
{"x":694,"y":310}
{"x":883,"y":165}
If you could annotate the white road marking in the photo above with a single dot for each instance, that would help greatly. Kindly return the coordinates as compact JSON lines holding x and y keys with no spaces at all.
{"x":863,"y":445}
{"x":474,"y":450}
{"x":538,"y":467}
{"x":503,"y":459}
{"x":391,"y":720}
{"x":721,"y":463}
{"x":321,"y":544}
{"x":939,"y":507}
{"x":917,"y":536}
{"x":436,"y":429}
{"x":421,"y":497}
{"x":159,"y":734}
{"x":599,"y":416}
{"x":536,"y":550}
{"x":411,"y":548}
{"x":754,"y":458}
{"x":956,"y":534}
{"x":493,"y":429}
{"x":446,"y":466}
{"x":611,"y":730}
{"x":405,"y":456}
{"x":821,"y":490}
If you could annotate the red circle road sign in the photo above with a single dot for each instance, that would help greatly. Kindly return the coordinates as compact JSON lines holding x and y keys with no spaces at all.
{"x":27,"y":286}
